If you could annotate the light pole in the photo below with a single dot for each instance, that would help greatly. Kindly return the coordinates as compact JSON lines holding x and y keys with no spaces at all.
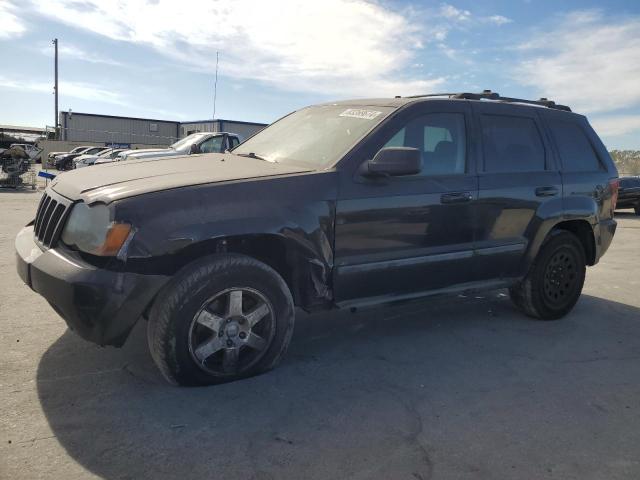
{"x":55,"y":87}
{"x":215,"y":89}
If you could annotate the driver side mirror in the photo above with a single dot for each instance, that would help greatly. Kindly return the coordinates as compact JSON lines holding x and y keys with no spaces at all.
{"x":394,"y":162}
{"x":195,"y":148}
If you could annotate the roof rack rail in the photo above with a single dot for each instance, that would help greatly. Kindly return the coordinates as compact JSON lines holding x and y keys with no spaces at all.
{"x":489,"y":95}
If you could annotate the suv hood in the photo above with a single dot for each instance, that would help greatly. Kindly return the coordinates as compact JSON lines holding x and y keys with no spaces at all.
{"x":114,"y":181}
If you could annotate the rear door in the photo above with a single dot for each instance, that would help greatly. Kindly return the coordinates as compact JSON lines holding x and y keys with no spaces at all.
{"x":403,"y":235}
{"x":519,"y":187}
{"x":584,"y":172}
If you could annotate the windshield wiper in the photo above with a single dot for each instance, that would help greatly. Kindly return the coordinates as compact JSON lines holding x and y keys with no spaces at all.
{"x":252,"y":155}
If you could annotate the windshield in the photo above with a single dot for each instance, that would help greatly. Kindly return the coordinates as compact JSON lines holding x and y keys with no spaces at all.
{"x":186,"y":142}
{"x":94,"y":150}
{"x":106,"y":153}
{"x":315,"y":136}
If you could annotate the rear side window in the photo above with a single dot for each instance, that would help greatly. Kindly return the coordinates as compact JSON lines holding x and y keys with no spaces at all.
{"x":511,"y":144}
{"x":576,"y":152}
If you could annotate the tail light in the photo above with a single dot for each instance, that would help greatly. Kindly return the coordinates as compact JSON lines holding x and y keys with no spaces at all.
{"x":614,"y":184}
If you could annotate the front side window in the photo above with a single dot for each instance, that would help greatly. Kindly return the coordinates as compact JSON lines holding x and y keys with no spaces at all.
{"x":212,"y":145}
{"x":316,"y":137}
{"x":576,"y":152}
{"x":441,"y":139}
{"x":511,"y":144}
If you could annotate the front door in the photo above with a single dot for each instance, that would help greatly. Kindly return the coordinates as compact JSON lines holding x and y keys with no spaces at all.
{"x":400,"y":236}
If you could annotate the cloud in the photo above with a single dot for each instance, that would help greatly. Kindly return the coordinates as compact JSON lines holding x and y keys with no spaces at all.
{"x":338,"y":47}
{"x":465,"y":17}
{"x":616,"y":125}
{"x":73,"y":52}
{"x":12,"y":26}
{"x":586,"y":60}
{"x":452,"y":13}
{"x":497,"y":20}
{"x":79,"y":90}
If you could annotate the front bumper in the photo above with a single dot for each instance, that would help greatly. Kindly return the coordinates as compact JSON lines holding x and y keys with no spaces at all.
{"x":100,"y":305}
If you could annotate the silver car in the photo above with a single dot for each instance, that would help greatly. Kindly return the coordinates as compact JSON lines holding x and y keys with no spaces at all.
{"x":201,"y":142}
{"x":86,"y":160}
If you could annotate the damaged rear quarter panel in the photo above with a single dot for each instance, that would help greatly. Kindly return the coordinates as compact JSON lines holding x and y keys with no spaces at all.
{"x":297,"y":208}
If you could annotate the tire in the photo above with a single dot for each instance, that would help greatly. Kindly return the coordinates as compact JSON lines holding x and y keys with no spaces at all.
{"x":199,"y":319}
{"x":637,"y":209}
{"x":555,"y":280}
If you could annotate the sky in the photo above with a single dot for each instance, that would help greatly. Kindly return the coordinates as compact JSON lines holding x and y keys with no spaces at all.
{"x":157,"y":58}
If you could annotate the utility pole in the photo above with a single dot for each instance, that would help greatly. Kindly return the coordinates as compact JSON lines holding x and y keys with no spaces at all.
{"x":215,"y":88}
{"x":55,"y":88}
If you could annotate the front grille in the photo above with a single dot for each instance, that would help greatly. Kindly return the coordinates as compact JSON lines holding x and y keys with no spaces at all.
{"x":50,"y":217}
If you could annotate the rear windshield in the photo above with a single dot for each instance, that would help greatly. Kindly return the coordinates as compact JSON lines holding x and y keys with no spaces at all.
{"x":315,"y":137}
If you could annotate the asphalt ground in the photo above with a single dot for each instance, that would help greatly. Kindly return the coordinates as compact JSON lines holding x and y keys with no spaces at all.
{"x":460,"y":387}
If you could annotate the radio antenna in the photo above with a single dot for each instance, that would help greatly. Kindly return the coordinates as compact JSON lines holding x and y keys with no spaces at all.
{"x":215,"y":88}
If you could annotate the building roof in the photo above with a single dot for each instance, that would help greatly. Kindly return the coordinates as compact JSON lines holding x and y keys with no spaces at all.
{"x":16,"y":128}
{"x":120,"y":117}
{"x":211,"y":120}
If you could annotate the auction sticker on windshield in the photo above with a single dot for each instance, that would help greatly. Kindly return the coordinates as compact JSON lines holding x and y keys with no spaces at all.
{"x":360,"y":113}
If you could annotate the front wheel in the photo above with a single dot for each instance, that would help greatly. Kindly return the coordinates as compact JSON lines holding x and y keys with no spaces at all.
{"x":555,"y":280}
{"x":220,"y":319}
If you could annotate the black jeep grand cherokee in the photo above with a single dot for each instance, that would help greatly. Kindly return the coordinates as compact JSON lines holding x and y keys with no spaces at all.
{"x":337,"y":205}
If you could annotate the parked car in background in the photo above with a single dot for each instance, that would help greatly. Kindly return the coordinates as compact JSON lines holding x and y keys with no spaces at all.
{"x":81,"y":149}
{"x":86,"y":160}
{"x":65,"y":162}
{"x":112,"y":157}
{"x":629,"y":193}
{"x":203,"y":142}
{"x":345,"y":204}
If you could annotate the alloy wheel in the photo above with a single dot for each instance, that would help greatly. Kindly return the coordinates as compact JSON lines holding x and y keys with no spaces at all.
{"x":231,"y":331}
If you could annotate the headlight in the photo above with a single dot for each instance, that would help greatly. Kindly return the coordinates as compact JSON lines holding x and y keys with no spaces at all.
{"x":92,"y":230}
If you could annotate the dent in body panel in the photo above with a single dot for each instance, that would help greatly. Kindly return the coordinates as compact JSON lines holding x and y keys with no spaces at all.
{"x":295,"y":211}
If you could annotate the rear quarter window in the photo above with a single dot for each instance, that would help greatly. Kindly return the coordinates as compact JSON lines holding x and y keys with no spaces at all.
{"x":575,"y":149}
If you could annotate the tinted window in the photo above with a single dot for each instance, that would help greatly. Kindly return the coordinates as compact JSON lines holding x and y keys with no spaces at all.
{"x":511,"y":144}
{"x":441,"y":139}
{"x":575,"y":150}
{"x":630,"y":182}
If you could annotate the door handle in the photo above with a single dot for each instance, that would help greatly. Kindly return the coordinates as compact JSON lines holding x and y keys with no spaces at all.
{"x":457,"y":197}
{"x":546,"y":191}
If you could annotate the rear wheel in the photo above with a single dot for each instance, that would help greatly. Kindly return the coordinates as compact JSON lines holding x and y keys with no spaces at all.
{"x":221,"y":319}
{"x":554,"y":283}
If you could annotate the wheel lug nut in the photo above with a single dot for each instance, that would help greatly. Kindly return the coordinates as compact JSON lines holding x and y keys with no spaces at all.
{"x":220,"y":333}
{"x":229,"y":343}
{"x":243,"y":335}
